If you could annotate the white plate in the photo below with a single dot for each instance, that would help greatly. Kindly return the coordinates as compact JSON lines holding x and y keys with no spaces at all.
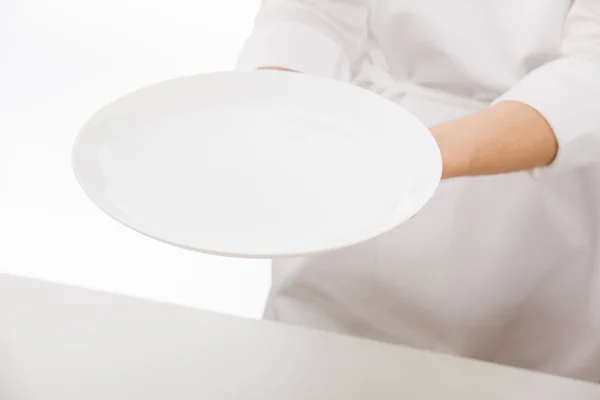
{"x":257,"y":164}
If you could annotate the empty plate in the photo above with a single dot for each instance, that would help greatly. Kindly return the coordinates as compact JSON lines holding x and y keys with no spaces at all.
{"x":257,"y":164}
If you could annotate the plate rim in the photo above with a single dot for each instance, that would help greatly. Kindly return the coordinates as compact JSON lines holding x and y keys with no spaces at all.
{"x":418,"y":203}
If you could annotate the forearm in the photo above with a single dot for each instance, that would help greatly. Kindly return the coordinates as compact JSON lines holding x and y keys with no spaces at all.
{"x":507,"y":137}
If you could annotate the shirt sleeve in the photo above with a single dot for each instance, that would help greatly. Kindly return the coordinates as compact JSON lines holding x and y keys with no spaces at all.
{"x":566,"y":91}
{"x":321,"y":37}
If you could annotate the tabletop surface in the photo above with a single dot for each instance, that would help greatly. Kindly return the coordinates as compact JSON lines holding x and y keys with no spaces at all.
{"x":67,"y":343}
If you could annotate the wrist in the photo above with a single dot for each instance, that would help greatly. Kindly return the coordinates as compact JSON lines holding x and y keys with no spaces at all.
{"x":455,"y":155}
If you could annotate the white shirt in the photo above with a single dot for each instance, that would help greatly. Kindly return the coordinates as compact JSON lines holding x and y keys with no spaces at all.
{"x":503,"y":268}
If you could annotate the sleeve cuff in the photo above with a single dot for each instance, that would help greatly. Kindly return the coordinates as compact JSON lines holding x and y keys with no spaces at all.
{"x":566,"y":92}
{"x":294,"y":46}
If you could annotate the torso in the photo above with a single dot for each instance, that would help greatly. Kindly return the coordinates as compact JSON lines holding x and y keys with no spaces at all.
{"x":492,"y":45}
{"x":503,"y":268}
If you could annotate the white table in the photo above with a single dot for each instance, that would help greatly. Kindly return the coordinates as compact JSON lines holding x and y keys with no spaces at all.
{"x":66,"y":343}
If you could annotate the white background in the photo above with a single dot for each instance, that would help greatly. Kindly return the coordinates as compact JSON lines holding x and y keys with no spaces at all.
{"x":60,"y":61}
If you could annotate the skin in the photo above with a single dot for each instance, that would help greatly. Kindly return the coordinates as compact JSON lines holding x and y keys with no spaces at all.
{"x":507,"y":137}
